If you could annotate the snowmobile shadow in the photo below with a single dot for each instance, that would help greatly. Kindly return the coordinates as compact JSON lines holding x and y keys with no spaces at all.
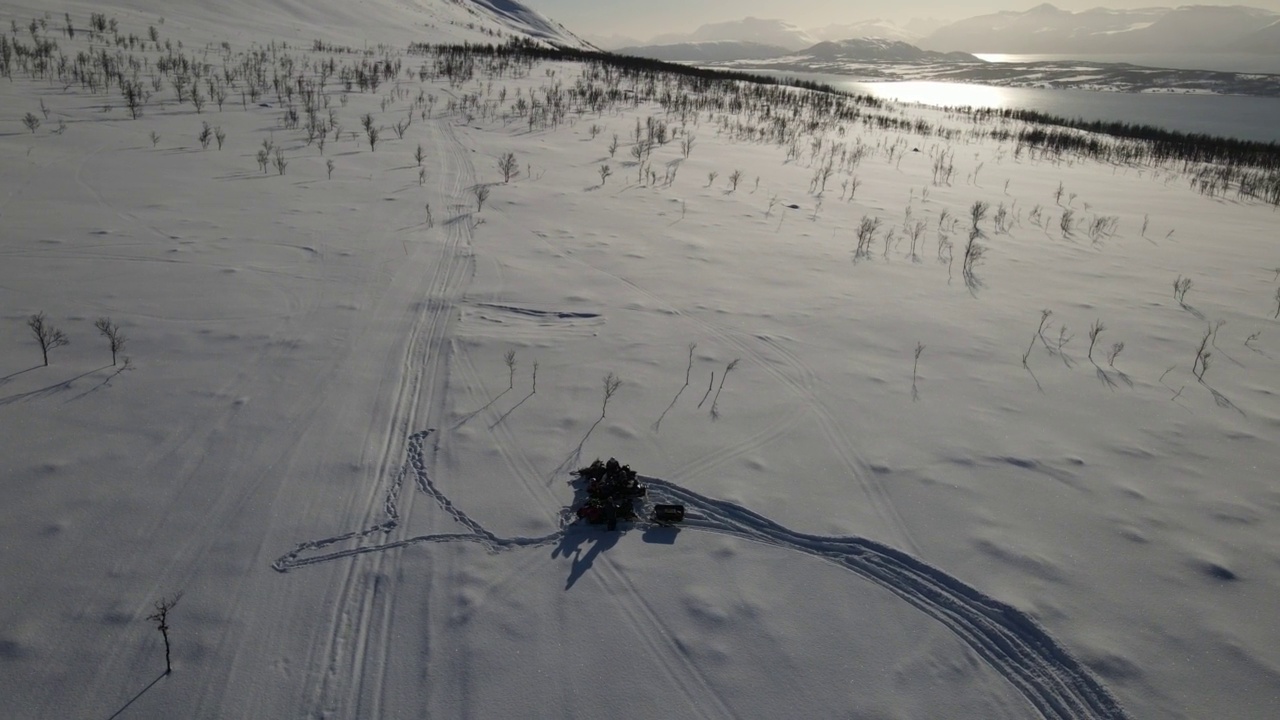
{"x":571,"y":543}
{"x":660,"y":535}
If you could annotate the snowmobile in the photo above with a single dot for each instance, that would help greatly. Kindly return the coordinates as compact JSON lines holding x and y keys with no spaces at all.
{"x":613,"y":491}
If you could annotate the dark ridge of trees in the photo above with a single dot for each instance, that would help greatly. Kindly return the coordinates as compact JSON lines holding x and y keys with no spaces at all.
{"x":1165,"y":144}
{"x":518,"y":47}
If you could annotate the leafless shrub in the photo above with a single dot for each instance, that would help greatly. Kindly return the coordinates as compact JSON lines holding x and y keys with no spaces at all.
{"x":915,"y":366}
{"x":914,"y":232}
{"x":711,"y":177}
{"x":1044,"y":319}
{"x":418,"y":155}
{"x":1201,"y":362}
{"x":482,"y":194}
{"x":206,"y":135}
{"x":329,"y":165}
{"x":1114,"y":353}
{"x":1180,"y":287}
{"x":605,"y":171}
{"x":1103,"y":226}
{"x":973,"y":254}
{"x":510,"y":359}
{"x":279,"y":161}
{"x":1094,"y":331}
{"x":977,"y":212}
{"x":734,"y":178}
{"x":220,"y":136}
{"x":508,"y":166}
{"x":866,"y":233}
{"x":715,"y":401}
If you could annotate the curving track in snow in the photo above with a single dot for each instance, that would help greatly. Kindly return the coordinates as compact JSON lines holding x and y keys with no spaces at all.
{"x":1012,"y":643}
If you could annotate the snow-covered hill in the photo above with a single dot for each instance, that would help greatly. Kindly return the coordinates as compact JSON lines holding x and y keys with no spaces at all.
{"x":357,"y":23}
{"x":706,"y":52}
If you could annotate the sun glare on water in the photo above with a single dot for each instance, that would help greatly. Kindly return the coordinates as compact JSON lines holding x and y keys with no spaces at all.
{"x":942,"y":93}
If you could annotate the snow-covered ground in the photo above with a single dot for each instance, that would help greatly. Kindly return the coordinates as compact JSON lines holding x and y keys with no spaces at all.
{"x":319,"y":441}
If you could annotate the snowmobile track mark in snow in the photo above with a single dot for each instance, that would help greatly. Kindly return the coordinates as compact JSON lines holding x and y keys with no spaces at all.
{"x":1012,"y":643}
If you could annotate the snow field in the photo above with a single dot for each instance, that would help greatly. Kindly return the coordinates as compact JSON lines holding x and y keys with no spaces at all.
{"x":294,"y":338}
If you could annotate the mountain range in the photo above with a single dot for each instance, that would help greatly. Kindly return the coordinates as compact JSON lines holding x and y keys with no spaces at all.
{"x":1042,"y":29}
{"x":1048,"y":29}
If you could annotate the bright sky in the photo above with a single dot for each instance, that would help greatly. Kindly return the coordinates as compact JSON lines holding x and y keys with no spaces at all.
{"x":643,"y":19}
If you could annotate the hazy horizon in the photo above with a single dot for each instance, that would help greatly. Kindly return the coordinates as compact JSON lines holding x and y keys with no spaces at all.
{"x":656,"y":17}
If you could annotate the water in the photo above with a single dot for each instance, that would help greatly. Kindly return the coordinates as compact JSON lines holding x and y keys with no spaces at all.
{"x":1223,"y":62}
{"x":1237,"y":116}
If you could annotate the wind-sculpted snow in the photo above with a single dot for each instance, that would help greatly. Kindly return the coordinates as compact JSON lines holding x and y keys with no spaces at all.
{"x":1007,"y":639}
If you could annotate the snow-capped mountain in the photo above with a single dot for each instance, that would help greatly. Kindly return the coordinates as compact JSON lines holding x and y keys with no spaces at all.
{"x":754,"y":30}
{"x":876,"y":28}
{"x":856,"y":49}
{"x":1048,"y":29}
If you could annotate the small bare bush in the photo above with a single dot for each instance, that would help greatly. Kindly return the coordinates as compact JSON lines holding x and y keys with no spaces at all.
{"x":508,"y":166}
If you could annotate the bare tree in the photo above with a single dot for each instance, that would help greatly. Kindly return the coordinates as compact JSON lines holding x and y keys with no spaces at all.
{"x":611,"y":384}
{"x":508,"y":166}
{"x":47,"y":335}
{"x":161,"y":618}
{"x":111,"y":332}
{"x":31,"y":121}
{"x":510,"y":359}
{"x":482,"y":194}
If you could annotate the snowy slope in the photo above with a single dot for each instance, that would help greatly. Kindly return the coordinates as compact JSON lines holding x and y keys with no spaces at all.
{"x":356,"y":388}
{"x":354,"y":23}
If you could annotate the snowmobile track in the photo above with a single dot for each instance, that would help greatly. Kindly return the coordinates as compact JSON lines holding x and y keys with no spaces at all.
{"x":1012,"y":643}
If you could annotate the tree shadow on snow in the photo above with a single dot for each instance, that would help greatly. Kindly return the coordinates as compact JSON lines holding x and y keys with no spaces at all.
{"x":49,"y":390}
{"x":134,"y":699}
